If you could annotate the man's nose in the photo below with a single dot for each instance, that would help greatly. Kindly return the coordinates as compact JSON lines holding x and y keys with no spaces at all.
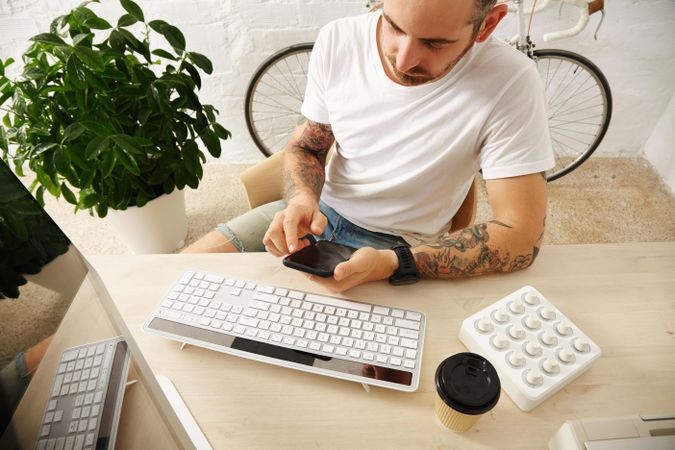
{"x":407,"y":56}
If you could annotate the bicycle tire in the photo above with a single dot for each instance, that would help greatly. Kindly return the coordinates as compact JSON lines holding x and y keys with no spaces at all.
{"x":283,"y":102}
{"x":565,"y":133}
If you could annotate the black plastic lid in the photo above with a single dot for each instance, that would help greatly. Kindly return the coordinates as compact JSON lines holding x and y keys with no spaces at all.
{"x":468,"y":383}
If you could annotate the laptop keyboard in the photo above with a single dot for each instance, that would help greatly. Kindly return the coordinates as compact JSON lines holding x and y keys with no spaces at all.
{"x":373,"y":344}
{"x":86,"y":397}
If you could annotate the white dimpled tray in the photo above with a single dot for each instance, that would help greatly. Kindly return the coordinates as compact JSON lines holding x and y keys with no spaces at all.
{"x":534,"y":347}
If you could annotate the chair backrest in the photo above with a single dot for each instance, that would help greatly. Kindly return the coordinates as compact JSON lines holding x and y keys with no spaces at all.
{"x":263,"y":184}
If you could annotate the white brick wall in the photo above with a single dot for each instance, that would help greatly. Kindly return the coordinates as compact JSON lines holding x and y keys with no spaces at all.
{"x":635,"y":50}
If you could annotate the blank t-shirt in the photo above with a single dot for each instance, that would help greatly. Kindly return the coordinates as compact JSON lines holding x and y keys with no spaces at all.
{"x":406,"y":155}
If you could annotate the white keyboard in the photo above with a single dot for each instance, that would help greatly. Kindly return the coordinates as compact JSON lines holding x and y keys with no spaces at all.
{"x":371,"y":344}
{"x":534,"y":347}
{"x":86,"y":397}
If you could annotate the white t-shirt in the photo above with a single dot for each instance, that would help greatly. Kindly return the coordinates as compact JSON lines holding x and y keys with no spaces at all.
{"x":406,"y":156}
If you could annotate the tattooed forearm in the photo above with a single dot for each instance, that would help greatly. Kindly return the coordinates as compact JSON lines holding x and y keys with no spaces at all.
{"x":307,"y":156}
{"x":469,"y":252}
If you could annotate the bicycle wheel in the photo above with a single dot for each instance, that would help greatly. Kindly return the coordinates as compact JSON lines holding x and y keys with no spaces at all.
{"x":274,"y":97}
{"x":579,"y":107}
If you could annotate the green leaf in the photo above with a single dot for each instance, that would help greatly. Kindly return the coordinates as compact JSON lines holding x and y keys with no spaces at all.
{"x":201,"y":61}
{"x":89,"y":57}
{"x":220,"y":131}
{"x":194,"y":74}
{"x":97,"y":23}
{"x":127,"y":143}
{"x":191,"y":155}
{"x":108,"y":165}
{"x":174,"y":36}
{"x":55,"y":25}
{"x":210,"y":139}
{"x":156,"y":25}
{"x":81,"y":37}
{"x":95,"y":147}
{"x":102,"y":210}
{"x":164,"y":54}
{"x":68,"y":194}
{"x":73,"y":131}
{"x":133,"y":9}
{"x":127,"y":161}
{"x":40,"y":195}
{"x":48,"y":38}
{"x":96,"y":127}
{"x":6,"y":121}
{"x":135,"y":44}
{"x":116,"y":41}
{"x":126,"y":20}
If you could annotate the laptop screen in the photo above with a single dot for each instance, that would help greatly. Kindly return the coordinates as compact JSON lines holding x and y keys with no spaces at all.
{"x":52,"y":301}
{"x":41,"y":274}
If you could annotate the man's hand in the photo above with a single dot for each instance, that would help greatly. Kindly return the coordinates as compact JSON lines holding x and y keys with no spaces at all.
{"x":298,"y":219}
{"x":366,"y":264}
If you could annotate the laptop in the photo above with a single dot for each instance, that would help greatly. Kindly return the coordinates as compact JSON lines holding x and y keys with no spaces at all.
{"x":74,"y":397}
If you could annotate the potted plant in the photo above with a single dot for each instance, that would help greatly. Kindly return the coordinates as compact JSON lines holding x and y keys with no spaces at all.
{"x":104,"y":120}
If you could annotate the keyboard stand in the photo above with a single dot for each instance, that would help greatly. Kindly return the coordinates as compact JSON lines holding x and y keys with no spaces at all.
{"x":366,"y":387}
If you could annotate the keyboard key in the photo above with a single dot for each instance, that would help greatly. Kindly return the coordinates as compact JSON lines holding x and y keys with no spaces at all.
{"x":409,"y":324}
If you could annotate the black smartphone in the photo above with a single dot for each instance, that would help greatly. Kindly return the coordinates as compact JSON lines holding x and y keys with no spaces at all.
{"x":319,"y":258}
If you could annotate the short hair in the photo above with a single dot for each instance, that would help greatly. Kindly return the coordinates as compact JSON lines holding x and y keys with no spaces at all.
{"x":480,"y":10}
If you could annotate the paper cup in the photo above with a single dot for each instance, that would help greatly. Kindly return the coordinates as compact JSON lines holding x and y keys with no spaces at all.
{"x":467,"y":386}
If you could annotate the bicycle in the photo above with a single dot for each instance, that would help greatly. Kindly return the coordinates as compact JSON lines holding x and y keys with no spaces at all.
{"x":578,"y":94}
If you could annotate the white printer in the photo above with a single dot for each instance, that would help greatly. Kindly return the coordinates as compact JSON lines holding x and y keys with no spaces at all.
{"x":643,"y":432}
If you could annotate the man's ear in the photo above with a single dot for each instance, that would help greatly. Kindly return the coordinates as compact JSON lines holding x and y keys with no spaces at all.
{"x":491,"y":21}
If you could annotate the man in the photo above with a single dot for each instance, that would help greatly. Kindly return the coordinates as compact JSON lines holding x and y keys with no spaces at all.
{"x":418,"y":98}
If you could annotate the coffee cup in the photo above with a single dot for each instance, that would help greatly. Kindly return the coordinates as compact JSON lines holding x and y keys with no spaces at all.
{"x":467,"y":386}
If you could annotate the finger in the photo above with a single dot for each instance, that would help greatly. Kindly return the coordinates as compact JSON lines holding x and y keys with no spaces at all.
{"x":274,"y":239}
{"x":290,"y":226}
{"x":319,"y":222}
{"x":343,"y":270}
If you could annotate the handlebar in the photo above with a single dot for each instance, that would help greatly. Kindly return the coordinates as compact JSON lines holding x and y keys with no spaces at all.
{"x":586,"y":9}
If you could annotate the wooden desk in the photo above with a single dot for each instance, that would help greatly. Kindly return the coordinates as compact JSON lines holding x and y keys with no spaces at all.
{"x":622,"y":296}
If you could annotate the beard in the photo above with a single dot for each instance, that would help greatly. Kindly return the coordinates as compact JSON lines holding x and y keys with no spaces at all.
{"x":418,"y":75}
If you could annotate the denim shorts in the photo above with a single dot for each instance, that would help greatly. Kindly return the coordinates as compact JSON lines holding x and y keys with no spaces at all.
{"x":247,"y":231}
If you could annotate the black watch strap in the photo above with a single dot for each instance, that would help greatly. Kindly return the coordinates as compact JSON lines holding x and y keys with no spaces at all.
{"x":407,"y":272}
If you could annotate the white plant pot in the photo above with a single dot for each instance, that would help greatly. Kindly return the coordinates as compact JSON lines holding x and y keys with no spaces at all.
{"x":64,"y":274}
{"x":158,"y":227}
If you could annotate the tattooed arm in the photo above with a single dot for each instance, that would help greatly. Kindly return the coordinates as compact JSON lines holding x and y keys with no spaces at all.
{"x":507,"y":243}
{"x":305,"y":160}
{"x":303,"y":177}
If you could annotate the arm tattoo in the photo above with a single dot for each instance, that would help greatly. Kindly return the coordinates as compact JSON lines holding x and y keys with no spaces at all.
{"x":466,"y":253}
{"x":310,"y":151}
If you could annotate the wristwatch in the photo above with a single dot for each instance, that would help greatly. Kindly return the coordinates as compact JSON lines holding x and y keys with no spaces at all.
{"x":407,"y":272}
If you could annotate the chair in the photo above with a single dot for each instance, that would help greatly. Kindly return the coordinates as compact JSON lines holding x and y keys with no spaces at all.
{"x":263,"y":184}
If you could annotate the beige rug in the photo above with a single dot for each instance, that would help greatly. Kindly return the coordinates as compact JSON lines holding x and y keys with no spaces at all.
{"x":606,"y":200}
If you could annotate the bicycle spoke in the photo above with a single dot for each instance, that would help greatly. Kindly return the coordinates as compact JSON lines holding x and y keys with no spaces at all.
{"x":576,"y":94}
{"x":289,"y":83}
{"x":572,"y":95}
{"x":276,"y":104}
{"x":282,"y":92}
{"x":295,"y":85}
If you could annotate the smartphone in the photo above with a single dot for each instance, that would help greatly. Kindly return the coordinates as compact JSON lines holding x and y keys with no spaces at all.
{"x":319,"y":258}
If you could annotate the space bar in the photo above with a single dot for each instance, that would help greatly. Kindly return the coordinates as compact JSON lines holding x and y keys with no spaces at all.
{"x":332,"y":301}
